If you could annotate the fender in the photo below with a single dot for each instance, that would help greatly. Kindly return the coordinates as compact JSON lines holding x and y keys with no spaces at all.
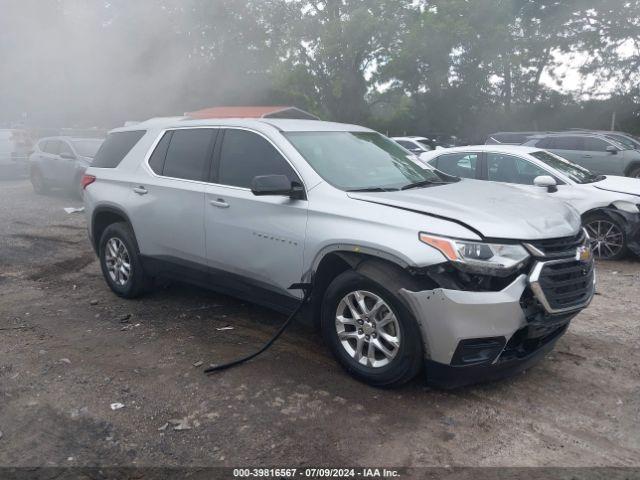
{"x":349,"y":250}
{"x":108,"y":208}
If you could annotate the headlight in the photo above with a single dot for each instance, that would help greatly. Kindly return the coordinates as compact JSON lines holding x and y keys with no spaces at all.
{"x":626,"y":206}
{"x":479,"y":257}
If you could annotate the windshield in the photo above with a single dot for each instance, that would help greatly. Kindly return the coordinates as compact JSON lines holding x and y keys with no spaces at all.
{"x":575,"y":172}
{"x":362,"y":160}
{"x":88,"y":147}
{"x":627,"y":142}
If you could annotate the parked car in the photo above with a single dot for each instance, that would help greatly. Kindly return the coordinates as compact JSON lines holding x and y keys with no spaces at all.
{"x":626,"y":139}
{"x":509,"y":138}
{"x":444,"y":140}
{"x":416,"y":145}
{"x":597,"y":153}
{"x":406,"y":264}
{"x":60,"y":162}
{"x":609,"y":205}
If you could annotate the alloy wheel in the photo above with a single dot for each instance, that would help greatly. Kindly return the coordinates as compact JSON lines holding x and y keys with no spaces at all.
{"x":118,"y":261}
{"x":367,"y":328}
{"x":607,"y":240}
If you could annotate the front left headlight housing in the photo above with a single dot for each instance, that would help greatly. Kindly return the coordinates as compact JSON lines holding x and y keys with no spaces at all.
{"x":479,"y":257}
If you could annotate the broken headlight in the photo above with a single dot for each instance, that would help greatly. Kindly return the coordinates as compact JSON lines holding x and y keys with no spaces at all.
{"x":479,"y":257}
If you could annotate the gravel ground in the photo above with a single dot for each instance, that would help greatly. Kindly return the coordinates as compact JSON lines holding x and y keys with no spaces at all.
{"x":69,"y":349}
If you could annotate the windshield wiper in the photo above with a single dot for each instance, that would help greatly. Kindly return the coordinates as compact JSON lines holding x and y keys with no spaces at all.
{"x":373,"y":189}
{"x":421,"y":183}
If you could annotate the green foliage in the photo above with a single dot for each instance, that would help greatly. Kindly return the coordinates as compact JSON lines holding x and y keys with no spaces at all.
{"x":403,"y":66}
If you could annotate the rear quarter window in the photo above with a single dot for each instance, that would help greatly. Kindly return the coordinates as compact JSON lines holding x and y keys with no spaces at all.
{"x":115,"y":148}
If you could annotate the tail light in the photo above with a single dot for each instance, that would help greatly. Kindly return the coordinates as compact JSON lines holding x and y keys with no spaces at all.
{"x":87,"y":180}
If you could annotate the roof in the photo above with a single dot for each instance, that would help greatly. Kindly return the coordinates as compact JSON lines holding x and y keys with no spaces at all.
{"x":282,"y":124}
{"x":251,"y":112}
{"x":501,"y":148}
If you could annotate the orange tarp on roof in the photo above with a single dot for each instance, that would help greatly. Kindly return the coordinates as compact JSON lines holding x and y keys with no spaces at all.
{"x":248,"y":112}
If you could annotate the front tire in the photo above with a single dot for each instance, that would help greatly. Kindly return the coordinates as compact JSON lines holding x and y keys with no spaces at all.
{"x":120,"y":262}
{"x":370,"y":331}
{"x":607,"y":236}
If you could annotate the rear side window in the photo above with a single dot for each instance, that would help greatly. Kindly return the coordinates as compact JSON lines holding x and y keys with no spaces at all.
{"x":567,"y":143}
{"x":245,"y":155}
{"x":188,"y":153}
{"x":115,"y":148}
{"x":156,"y":160}
{"x":408,"y":145}
{"x":458,"y":164}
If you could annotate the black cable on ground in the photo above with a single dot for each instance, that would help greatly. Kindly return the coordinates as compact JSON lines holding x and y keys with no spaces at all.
{"x":224,"y":366}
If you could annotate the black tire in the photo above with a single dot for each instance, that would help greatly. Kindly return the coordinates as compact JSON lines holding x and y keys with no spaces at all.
{"x":408,"y":360}
{"x":634,"y":172}
{"x":137,"y":281}
{"x":39,"y":183}
{"x":599,"y":222}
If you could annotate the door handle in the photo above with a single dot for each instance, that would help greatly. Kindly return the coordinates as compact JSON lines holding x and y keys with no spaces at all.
{"x":140,"y":190}
{"x":587,"y":156}
{"x":220,"y":203}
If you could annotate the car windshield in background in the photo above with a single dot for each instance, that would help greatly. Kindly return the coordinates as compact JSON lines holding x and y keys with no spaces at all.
{"x":87,"y":147}
{"x":627,"y":142}
{"x":571,"y":170}
{"x":362,"y":161}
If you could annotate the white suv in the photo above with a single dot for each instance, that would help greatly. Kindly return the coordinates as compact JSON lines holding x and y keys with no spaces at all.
{"x":408,"y":267}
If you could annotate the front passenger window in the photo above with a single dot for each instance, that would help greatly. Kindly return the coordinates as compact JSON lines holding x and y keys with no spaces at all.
{"x":245,"y":155}
{"x":510,"y":169}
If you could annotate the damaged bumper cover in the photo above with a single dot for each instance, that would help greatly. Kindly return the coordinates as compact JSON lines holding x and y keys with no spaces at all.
{"x":471,"y":337}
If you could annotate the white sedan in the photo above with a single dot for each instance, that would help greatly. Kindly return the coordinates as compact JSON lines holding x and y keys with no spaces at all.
{"x":609,"y":205}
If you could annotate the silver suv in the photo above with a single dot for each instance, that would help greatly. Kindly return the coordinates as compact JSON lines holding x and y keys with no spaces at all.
{"x":409,"y":267}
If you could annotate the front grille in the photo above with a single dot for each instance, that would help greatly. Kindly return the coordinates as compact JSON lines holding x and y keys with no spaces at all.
{"x":558,"y":247}
{"x":563,"y":285}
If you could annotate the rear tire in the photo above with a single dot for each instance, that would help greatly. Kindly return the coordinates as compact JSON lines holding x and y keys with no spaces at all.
{"x":121,"y":263}
{"x":608,"y":238}
{"x":39,"y":183}
{"x":350,"y":341}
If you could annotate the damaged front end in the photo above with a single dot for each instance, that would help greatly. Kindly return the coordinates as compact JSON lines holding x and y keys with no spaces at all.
{"x":479,"y":327}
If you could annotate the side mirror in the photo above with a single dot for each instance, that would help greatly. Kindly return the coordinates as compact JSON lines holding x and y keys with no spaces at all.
{"x":547,"y":182}
{"x":263,"y":185}
{"x":67,"y":156}
{"x":613,"y":150}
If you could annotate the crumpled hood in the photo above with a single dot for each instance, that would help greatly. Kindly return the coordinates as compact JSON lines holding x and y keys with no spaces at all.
{"x":495,"y":210}
{"x":611,"y":183}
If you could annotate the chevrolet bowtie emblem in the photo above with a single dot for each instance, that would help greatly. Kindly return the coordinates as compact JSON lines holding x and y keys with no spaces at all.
{"x":583,"y":253}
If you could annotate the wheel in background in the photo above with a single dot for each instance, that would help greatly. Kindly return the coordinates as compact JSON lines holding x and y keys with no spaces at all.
{"x":634,"y":172}
{"x":607,"y":236}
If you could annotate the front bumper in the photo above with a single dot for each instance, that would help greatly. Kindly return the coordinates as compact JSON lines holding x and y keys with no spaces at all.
{"x":471,"y":337}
